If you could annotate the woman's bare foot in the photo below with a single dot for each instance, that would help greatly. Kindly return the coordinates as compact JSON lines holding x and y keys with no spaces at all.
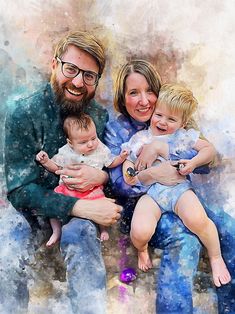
{"x":104,"y":236}
{"x":144,"y":260}
{"x":55,"y":237}
{"x":220,"y":273}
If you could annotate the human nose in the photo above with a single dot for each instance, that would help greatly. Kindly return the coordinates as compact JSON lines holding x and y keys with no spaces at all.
{"x":89,"y":144}
{"x":144,"y":99}
{"x":78,"y":80}
{"x":162,"y":121}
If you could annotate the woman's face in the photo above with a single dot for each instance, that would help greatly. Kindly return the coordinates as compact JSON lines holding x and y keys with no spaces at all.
{"x":140,"y":100}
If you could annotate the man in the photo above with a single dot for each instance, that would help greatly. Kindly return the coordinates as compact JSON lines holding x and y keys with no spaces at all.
{"x":35,"y":123}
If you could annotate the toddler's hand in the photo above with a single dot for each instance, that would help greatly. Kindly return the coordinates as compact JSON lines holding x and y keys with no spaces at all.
{"x":186,"y":166}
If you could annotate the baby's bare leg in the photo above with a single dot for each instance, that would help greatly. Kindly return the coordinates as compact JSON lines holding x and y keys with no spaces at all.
{"x":143,"y":225}
{"x":195,"y":219}
{"x":56,"y":232}
{"x":104,"y":235}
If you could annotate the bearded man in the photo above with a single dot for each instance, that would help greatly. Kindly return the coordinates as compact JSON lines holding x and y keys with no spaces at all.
{"x":36,"y":123}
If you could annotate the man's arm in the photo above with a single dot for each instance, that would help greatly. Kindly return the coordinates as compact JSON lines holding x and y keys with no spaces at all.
{"x":103,"y":211}
{"x":29,"y":188}
{"x":82,"y":177}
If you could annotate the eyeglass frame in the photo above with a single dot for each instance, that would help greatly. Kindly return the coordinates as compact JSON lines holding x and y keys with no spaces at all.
{"x":98,"y":75}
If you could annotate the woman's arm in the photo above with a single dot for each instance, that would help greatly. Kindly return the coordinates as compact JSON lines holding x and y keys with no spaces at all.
{"x":206,"y":153}
{"x":164,"y":173}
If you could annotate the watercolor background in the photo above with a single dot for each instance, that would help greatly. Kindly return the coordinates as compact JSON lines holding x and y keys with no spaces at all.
{"x":191,"y":42}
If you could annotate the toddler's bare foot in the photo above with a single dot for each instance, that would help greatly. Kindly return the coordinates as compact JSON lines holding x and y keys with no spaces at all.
{"x":53,"y":240}
{"x":144,"y":261}
{"x":104,"y":236}
{"x":221,"y":275}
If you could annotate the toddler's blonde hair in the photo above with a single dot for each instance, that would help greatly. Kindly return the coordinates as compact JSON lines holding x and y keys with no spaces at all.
{"x":179,"y":99}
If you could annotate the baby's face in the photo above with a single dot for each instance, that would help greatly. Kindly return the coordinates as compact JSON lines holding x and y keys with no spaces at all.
{"x":84,"y":141}
{"x":163,"y":121}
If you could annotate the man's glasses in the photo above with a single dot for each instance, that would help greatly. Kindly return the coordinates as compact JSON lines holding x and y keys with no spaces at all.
{"x":70,"y":70}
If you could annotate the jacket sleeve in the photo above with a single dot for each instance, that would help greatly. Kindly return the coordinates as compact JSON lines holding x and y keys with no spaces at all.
{"x":29,"y":186}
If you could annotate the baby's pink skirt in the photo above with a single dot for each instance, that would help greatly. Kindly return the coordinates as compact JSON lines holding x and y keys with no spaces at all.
{"x":95,"y":193}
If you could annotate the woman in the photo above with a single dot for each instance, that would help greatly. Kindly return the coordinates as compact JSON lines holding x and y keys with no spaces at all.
{"x":137,"y":89}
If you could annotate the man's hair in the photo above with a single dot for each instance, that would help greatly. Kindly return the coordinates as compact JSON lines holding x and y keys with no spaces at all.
{"x":84,"y":41}
{"x":81,"y":122}
{"x":178,"y":98}
{"x":134,"y":66}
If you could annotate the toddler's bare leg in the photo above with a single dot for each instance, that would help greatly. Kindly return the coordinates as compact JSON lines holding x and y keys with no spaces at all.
{"x":104,"y":235}
{"x":195,"y":219}
{"x":143,"y":225}
{"x":56,"y":232}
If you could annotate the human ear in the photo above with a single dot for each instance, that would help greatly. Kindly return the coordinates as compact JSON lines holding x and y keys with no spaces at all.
{"x":53,"y":63}
{"x":69,"y":142}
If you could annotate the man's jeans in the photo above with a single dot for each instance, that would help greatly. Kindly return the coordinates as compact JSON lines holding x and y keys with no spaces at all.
{"x":81,"y":249}
{"x":86,"y":278}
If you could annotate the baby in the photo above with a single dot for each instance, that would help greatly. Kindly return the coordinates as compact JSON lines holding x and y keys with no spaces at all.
{"x":83,"y":147}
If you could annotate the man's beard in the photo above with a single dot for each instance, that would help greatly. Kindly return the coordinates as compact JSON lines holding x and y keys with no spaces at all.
{"x":70,"y":107}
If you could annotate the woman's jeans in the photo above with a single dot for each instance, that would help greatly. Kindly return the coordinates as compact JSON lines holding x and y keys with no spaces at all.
{"x":180,"y":256}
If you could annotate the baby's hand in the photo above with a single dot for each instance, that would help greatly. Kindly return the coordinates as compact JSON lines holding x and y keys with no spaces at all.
{"x":186,"y":166}
{"x":42,"y":157}
{"x":124,"y":154}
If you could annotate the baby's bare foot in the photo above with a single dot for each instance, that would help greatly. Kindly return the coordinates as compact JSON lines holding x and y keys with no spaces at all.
{"x":144,"y":260}
{"x":220,"y":273}
{"x":104,"y":236}
{"x":53,"y":240}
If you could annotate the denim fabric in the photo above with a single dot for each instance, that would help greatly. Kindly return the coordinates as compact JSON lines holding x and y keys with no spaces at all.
{"x":86,"y":276}
{"x":226,"y":228}
{"x":85,"y":269}
{"x":15,"y":233}
{"x":178,"y":265}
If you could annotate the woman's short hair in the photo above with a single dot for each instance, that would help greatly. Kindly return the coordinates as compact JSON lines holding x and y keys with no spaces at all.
{"x":142,"y":67}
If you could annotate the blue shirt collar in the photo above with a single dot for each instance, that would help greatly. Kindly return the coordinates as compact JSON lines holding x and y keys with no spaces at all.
{"x":139,"y":125}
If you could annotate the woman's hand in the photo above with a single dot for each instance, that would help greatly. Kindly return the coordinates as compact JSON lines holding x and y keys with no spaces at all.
{"x":102,"y":211}
{"x":149,"y":153}
{"x":164,"y":173}
{"x":82,"y":177}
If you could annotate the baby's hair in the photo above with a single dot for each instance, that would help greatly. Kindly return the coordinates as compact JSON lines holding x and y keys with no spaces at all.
{"x":178,"y":99}
{"x":82,"y":122}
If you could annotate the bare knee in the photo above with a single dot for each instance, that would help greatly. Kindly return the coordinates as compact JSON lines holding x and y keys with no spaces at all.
{"x":197,"y":224}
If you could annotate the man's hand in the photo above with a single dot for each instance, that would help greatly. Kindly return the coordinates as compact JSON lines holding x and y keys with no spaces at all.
{"x":165,"y":174}
{"x":102,"y":211}
{"x":82,"y":177}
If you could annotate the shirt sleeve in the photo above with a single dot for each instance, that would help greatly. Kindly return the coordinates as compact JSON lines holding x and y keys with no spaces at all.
{"x":114,"y":139}
{"x":105,"y":154}
{"x":29,"y":186}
